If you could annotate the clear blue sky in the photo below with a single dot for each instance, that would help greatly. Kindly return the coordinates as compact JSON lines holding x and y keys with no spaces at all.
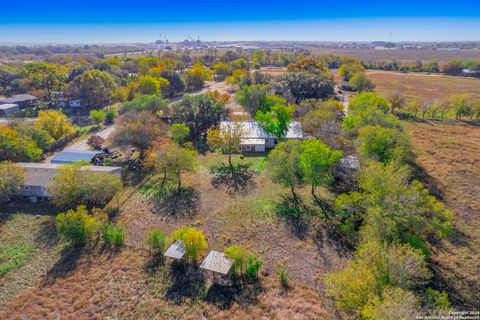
{"x":91,"y":21}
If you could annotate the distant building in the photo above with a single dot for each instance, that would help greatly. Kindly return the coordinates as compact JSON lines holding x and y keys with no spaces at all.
{"x":75,"y":104}
{"x":255,"y":139}
{"x":8,"y":109}
{"x":22,"y":100}
{"x":38,"y":176}
{"x":72,"y":156}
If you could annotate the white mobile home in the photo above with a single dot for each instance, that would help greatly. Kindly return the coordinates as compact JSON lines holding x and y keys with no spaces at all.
{"x":255,"y":139}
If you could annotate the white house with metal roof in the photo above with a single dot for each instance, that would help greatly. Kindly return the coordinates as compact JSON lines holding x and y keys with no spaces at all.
{"x":255,"y":139}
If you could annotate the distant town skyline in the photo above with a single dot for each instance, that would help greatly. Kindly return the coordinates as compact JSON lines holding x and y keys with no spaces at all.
{"x":92,"y":21}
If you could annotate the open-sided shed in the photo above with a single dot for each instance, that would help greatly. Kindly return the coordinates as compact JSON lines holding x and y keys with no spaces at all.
{"x":176,"y":250}
{"x":217,"y":262}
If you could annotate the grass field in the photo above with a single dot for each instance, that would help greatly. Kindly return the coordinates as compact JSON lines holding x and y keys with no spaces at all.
{"x":450,"y":155}
{"x":428,"y":87}
{"x":121,"y":285}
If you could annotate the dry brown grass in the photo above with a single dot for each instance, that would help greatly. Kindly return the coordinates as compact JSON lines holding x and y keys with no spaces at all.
{"x":372,"y":55}
{"x":424,"y":86}
{"x":450,"y":154}
{"x":103,"y":285}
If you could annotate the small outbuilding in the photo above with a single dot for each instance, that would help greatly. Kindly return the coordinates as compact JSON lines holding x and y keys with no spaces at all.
{"x":217,"y":262}
{"x":218,"y":265}
{"x":176,"y":250}
{"x":8,"y":109}
{"x":72,"y":156}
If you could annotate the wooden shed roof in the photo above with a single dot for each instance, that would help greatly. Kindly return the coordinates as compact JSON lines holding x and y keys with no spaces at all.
{"x":217,"y":262}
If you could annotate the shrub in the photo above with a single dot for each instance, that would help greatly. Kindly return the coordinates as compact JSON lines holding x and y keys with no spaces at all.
{"x":253,"y":265}
{"x":179,"y":132}
{"x":156,"y":240}
{"x":239,"y":256}
{"x":110,"y":115}
{"x":95,"y":142}
{"x":77,"y":225}
{"x":193,"y":241}
{"x":437,"y":299}
{"x":97,"y":117}
{"x":283,"y":278}
{"x":113,"y":234}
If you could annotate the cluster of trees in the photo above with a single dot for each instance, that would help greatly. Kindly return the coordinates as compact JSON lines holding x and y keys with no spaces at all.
{"x":389,"y":217}
{"x":461,"y":106}
{"x":452,"y":67}
{"x":22,"y":141}
{"x":354,"y":74}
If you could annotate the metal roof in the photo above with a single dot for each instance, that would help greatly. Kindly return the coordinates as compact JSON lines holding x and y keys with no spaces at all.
{"x":18,"y":98}
{"x":8,"y":106}
{"x":176,"y":250}
{"x":253,"y":141}
{"x":251,"y":130}
{"x":217,"y":262}
{"x":40,"y":174}
{"x":72,"y":156}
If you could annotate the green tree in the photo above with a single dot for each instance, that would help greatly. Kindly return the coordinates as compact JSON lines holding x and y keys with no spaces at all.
{"x":94,"y":87}
{"x":316,"y":162}
{"x":256,"y":98}
{"x":13,"y":177}
{"x":110,"y":115}
{"x":150,"y":103}
{"x":179,"y":133}
{"x":276,"y":121}
{"x":193,"y":242}
{"x":461,"y":105}
{"x":97,"y":117}
{"x":298,"y":86}
{"x":284,"y":165}
{"x":384,"y":144}
{"x":348,"y":70}
{"x":149,"y":85}
{"x":199,"y":113}
{"x":323,"y":120}
{"x":45,"y":76}
{"x":361,"y":82}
